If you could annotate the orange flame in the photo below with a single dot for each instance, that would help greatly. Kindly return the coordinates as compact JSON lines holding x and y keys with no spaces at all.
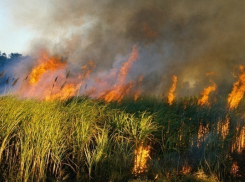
{"x":137,"y":93}
{"x":87,"y":69}
{"x":224,"y":127}
{"x":49,"y":80}
{"x":204,"y":99}
{"x":239,"y":143}
{"x":67,"y":91}
{"x":234,"y":169}
{"x":238,"y":90}
{"x":45,"y":63}
{"x":186,"y":169}
{"x":118,"y":91}
{"x":126,"y":66}
{"x":71,"y":89}
{"x":202,"y":134}
{"x":210,"y":73}
{"x":142,"y":154}
{"x":149,"y":32}
{"x":171,"y":95}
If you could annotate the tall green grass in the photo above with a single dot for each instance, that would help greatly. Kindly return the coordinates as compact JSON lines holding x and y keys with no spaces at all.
{"x":87,"y":140}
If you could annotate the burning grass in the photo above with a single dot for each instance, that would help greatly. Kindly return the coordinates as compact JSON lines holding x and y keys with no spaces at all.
{"x":50,"y":79}
{"x":89,"y":140}
{"x":171,"y":94}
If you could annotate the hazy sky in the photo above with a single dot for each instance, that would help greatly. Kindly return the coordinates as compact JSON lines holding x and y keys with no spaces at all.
{"x":184,"y":38}
{"x":13,"y":37}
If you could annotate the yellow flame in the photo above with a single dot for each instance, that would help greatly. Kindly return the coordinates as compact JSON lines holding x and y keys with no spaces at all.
{"x":49,"y":80}
{"x":67,"y":91}
{"x":205,"y":94}
{"x":141,"y":157}
{"x":239,"y":143}
{"x":237,"y":93}
{"x":202,"y":133}
{"x":62,"y":86}
{"x":224,"y":127}
{"x":171,"y":94}
{"x":118,"y":91}
{"x":45,"y":63}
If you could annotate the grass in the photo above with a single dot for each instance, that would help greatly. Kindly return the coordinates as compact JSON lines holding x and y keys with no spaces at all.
{"x":87,"y":140}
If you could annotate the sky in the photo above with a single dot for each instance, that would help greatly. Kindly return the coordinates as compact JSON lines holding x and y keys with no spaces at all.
{"x":184,"y":38}
{"x":13,"y":38}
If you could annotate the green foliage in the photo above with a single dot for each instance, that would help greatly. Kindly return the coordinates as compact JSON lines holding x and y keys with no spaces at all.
{"x":86,"y":140}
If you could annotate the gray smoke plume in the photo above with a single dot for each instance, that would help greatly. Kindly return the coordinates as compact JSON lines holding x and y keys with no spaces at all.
{"x":186,"y":38}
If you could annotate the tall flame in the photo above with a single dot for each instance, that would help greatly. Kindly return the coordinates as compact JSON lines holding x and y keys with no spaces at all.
{"x":141,"y":157}
{"x":127,"y":65}
{"x":171,"y":94}
{"x":202,"y":134}
{"x":137,"y":93}
{"x":204,"y":99}
{"x":49,"y":79}
{"x":45,"y":63}
{"x":238,"y":90}
{"x":71,"y":89}
{"x":224,"y":127}
{"x":87,"y":69}
{"x":239,"y":143}
{"x":118,"y":91}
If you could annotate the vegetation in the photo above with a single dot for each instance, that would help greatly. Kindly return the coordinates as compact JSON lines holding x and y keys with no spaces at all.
{"x":88,"y":140}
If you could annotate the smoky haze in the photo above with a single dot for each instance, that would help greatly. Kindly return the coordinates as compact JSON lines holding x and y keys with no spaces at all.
{"x":184,"y":38}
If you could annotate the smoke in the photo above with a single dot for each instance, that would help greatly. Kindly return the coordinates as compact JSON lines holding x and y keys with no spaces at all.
{"x":185,"y":38}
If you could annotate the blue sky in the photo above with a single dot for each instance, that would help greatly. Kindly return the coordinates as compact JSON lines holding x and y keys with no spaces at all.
{"x":13,"y":38}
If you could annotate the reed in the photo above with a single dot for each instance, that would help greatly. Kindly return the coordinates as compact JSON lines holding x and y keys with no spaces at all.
{"x":87,"y":140}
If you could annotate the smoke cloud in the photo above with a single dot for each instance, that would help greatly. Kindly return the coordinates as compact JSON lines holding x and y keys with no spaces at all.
{"x":184,"y":38}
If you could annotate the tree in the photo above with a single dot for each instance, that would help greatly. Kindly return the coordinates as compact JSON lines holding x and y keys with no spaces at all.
{"x":15,"y":55}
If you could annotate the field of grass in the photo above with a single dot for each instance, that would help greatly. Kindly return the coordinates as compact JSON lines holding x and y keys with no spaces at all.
{"x":87,"y":140}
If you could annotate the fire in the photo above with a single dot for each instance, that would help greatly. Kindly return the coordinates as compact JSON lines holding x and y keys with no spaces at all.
{"x":87,"y":69}
{"x":239,"y":143}
{"x":224,"y":127}
{"x":210,"y":73}
{"x":120,"y":89}
{"x":238,"y":90}
{"x":45,"y":63}
{"x":149,"y":32}
{"x":126,"y":66}
{"x":49,"y":80}
{"x":186,"y":169}
{"x":64,"y":93}
{"x":234,"y":169}
{"x":202,"y":134}
{"x":117,"y":93}
{"x":171,"y":95}
{"x":141,"y":156}
{"x":204,"y":99}
{"x":71,"y":89}
{"x":137,"y":93}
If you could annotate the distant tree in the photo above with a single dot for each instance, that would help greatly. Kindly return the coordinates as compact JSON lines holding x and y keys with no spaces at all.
{"x":4,"y":55}
{"x":3,"y":59}
{"x":15,"y":55}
